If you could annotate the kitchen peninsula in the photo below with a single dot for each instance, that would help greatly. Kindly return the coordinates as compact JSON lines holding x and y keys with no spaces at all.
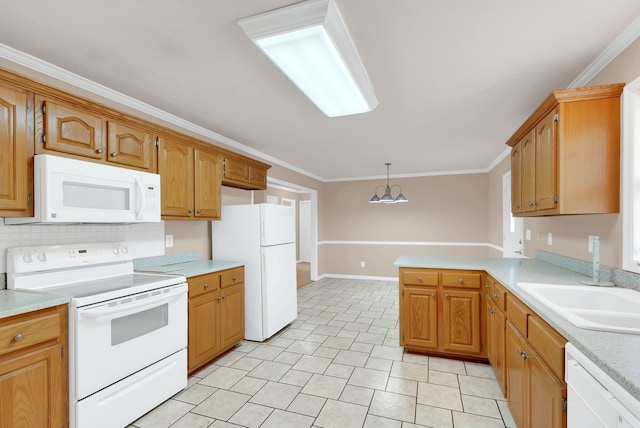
{"x":615,"y":353}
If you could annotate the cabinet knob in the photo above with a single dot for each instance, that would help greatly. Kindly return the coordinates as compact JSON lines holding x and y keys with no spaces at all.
{"x":206,"y":286}
{"x":190,"y":210}
{"x":433,"y":295}
{"x":460,"y":280}
{"x":114,"y":154}
{"x":18,"y":337}
{"x":234,"y":277}
{"x":219,"y":298}
{"x":198,"y":211}
{"x":517,"y":207}
{"x":495,"y":296}
{"x":419,"y":279}
{"x":224,"y":296}
{"x":446,"y":296}
{"x":99,"y":151}
{"x":487,"y":286}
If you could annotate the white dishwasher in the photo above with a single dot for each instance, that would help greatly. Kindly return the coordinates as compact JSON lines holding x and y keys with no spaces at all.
{"x":594,"y":399}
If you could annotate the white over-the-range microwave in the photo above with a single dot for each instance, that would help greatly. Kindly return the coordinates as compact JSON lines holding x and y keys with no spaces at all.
{"x":74,"y":191}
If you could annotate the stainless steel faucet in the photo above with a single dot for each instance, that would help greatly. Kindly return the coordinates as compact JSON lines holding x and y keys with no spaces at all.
{"x":596,"y":267}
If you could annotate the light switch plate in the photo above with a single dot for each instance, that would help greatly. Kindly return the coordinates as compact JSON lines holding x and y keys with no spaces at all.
{"x":549,"y":238}
{"x":591,"y":243}
{"x":362,"y":264}
{"x":168,"y":241}
{"x":527,"y":234}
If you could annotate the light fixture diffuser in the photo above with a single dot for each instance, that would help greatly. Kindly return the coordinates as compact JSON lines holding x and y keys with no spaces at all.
{"x":310,"y":44}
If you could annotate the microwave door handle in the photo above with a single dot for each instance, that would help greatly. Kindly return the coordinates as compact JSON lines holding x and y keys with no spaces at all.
{"x":140,"y":199}
{"x":116,"y":310}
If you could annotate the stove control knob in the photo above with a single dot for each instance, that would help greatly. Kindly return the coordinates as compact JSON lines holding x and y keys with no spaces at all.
{"x":116,"y":251}
{"x":42,"y":257}
{"x":27,"y":258}
{"x":124,"y":250}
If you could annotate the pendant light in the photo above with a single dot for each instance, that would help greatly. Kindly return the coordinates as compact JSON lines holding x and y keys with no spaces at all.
{"x":386,"y":197}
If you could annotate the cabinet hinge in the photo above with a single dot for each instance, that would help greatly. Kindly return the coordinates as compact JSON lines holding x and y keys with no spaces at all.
{"x":44,"y":138}
{"x":556,"y":117}
{"x":403,"y":337}
{"x":505,"y":389}
{"x":157,"y":142}
{"x":62,"y":352}
{"x":224,"y":167}
{"x":44,"y":109}
{"x":402,"y":293}
{"x":481,"y":346}
{"x":28,"y":199}
{"x":564,"y":404}
{"x":28,"y":105}
{"x":481,"y":298}
{"x":555,"y":198}
{"x":505,"y":325}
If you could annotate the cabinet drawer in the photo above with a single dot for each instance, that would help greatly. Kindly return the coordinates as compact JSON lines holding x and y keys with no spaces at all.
{"x":548,"y":344}
{"x":202,"y":284}
{"x":517,"y":313}
{"x":27,"y":330}
{"x":499,"y":295}
{"x":232,"y":277}
{"x":461,"y":279}
{"x":418,"y":277}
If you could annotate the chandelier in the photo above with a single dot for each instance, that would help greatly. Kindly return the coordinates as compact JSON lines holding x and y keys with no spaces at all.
{"x":386,"y":197}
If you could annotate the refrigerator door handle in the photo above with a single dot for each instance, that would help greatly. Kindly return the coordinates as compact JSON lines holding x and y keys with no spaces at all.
{"x":264,"y":260}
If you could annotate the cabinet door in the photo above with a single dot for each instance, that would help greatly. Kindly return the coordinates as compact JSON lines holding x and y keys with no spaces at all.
{"x":31,"y":392}
{"x":175,"y":166}
{"x":528,"y":172}
{"x":516,"y":178}
{"x":14,"y":148}
{"x":208,"y":182}
{"x":232,"y":315}
{"x":204,"y":329}
{"x":129,"y":146}
{"x":72,"y":131}
{"x":517,"y":385}
{"x":461,"y":321}
{"x":236,"y":170}
{"x":546,"y":394}
{"x":419,"y":317}
{"x":257,"y":177}
{"x":497,"y":323}
{"x":546,"y":173}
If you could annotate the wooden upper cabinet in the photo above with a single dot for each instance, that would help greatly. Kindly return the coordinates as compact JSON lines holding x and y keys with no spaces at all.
{"x":190,"y":180}
{"x":208,"y":180}
{"x":130,"y":146}
{"x":244,"y":173}
{"x":546,"y":192}
{"x":17,"y":151}
{"x":70,"y":130}
{"x":572,"y":163}
{"x":175,"y":165}
{"x":516,"y":173}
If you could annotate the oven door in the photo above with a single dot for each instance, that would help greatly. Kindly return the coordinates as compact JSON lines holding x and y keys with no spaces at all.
{"x":117,"y":338}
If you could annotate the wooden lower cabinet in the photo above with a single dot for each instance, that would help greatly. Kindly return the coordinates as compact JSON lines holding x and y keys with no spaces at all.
{"x":34,"y":370}
{"x":535,"y":396}
{"x":440,"y":311}
{"x":216,"y":315}
{"x":496,"y":326}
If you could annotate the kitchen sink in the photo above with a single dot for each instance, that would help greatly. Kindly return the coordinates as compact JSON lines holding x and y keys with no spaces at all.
{"x":590,"y":307}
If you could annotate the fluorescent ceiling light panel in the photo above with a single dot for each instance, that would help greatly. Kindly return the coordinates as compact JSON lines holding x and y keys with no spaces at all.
{"x":310,"y":44}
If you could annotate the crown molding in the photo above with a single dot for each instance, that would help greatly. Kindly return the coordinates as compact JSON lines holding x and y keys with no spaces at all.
{"x":619,"y":44}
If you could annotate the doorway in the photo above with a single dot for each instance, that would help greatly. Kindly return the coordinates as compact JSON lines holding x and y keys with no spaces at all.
{"x":512,"y":227}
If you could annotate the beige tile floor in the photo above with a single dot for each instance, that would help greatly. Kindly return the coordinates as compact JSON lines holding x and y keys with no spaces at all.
{"x":338,"y":365}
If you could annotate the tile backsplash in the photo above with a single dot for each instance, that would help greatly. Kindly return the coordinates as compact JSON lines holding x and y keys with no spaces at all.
{"x":145,"y":239}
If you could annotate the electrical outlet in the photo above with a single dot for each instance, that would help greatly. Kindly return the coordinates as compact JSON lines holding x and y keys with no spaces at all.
{"x":591,"y":243}
{"x":362,"y":264}
{"x":168,"y":241}
{"x":527,"y":234}
{"x":549,"y":238}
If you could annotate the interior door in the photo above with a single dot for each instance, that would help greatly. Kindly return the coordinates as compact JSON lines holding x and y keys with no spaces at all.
{"x":512,"y":227}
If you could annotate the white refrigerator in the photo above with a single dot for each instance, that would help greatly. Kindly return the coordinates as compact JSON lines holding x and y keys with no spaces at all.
{"x":263,"y":237}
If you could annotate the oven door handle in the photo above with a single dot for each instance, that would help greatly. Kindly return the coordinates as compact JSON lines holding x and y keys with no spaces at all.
{"x":146,"y":303}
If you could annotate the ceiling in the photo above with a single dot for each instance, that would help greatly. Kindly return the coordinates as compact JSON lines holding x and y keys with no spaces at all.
{"x":454,"y":79}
